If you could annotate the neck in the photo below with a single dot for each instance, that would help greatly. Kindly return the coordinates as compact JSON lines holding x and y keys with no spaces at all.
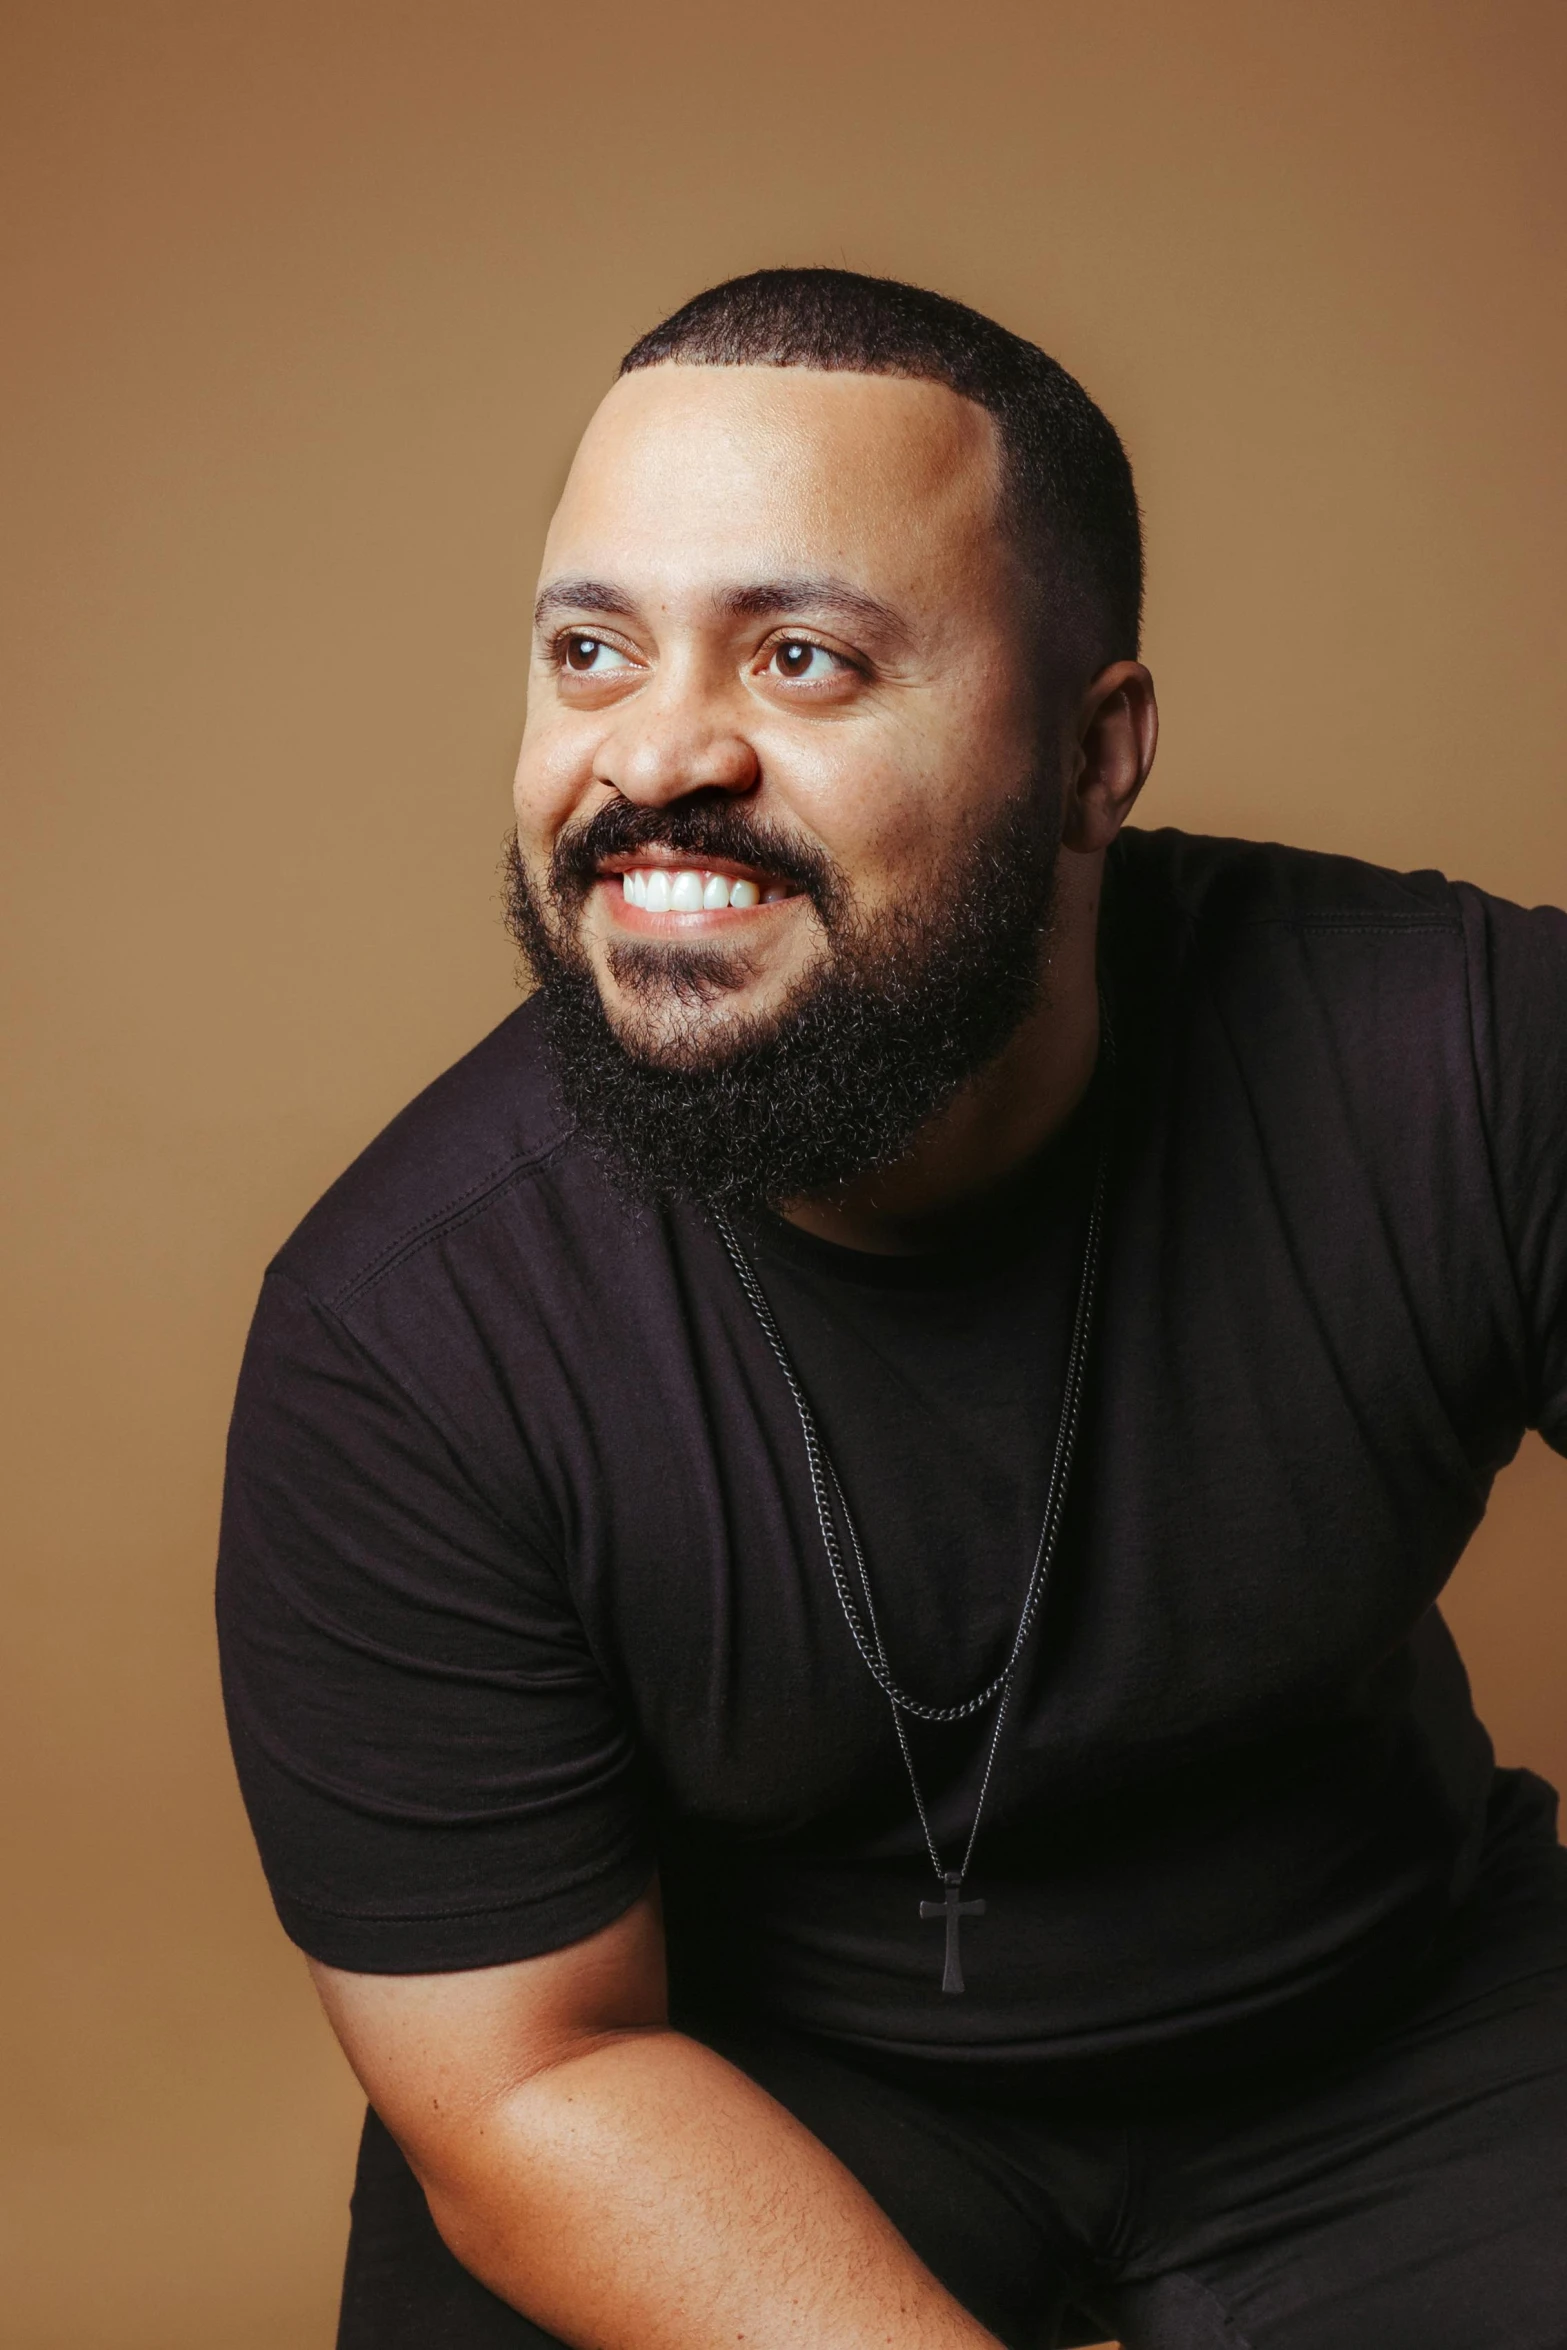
{"x":1001,"y":1118}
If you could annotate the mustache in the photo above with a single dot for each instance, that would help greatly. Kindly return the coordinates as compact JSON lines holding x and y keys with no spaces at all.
{"x":702,"y":826}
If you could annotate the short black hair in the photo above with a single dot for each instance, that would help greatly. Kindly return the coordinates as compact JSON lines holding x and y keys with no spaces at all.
{"x":1067,"y":481}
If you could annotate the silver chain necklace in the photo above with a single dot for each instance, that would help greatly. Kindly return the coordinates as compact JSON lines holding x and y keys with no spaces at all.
{"x":864,"y":1629}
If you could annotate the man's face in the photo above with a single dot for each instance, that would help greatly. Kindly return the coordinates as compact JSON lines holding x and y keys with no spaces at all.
{"x":783,"y":596}
{"x":786,"y":815}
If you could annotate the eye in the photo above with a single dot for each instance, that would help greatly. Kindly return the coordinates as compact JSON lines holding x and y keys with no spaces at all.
{"x":590,"y":656}
{"x":804,"y":663}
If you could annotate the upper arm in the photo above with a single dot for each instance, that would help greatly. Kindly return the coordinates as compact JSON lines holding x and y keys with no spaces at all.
{"x":438,"y":1771}
{"x":436,"y":2053}
{"x":1518,"y":962}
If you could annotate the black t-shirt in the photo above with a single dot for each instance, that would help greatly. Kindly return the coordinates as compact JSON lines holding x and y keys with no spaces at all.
{"x":523,"y":1592}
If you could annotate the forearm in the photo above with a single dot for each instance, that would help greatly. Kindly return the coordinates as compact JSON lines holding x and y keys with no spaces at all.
{"x":644,"y":2195}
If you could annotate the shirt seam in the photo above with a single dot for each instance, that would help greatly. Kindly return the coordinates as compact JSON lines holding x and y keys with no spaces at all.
{"x":1493,"y":1171}
{"x":479,"y":1909}
{"x":550,"y":1554}
{"x":448,"y":1218}
{"x":1389,"y":921}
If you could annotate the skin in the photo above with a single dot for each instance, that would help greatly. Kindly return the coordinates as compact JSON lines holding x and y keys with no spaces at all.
{"x":617,"y":2182}
{"x":928,"y":700}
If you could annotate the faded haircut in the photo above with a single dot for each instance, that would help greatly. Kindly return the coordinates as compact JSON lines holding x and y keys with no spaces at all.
{"x":1067,"y":484}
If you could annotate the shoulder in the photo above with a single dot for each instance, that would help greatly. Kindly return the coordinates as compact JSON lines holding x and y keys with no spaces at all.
{"x":1426,"y":1007}
{"x":485,"y":1128}
{"x":1177,"y":899}
{"x":1400,"y":990}
{"x":1215,"y":888}
{"x":1279,"y":941}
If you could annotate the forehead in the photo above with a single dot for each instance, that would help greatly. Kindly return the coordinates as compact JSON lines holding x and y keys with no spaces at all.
{"x":691,"y":474}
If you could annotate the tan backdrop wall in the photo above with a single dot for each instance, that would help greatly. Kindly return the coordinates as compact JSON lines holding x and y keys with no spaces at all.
{"x":304,"y":306}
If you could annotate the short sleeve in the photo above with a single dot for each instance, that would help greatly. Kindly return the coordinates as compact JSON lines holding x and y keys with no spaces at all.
{"x":1518,"y":965}
{"x":436,"y":1770}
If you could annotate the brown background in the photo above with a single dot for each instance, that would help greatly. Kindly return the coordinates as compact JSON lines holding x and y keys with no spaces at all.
{"x":304,"y":307}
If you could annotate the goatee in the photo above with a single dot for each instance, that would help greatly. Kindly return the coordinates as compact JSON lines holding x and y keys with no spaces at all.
{"x":896,"y":1014}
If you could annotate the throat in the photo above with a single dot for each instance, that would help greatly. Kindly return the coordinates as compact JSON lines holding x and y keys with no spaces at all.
{"x":964,"y":1167}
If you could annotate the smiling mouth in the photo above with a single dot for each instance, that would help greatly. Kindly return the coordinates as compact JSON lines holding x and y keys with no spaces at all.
{"x":694,"y":889}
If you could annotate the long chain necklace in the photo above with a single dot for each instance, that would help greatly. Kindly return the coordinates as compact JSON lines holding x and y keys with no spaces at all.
{"x":864,"y":1628}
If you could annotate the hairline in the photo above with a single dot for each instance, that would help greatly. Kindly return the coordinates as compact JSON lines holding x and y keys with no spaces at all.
{"x":1021,"y":530}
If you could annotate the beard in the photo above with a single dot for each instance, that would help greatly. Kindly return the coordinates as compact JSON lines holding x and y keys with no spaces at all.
{"x":896,"y":1014}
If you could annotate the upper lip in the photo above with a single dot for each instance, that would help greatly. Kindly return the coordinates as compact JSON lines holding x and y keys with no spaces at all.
{"x":682,"y":861}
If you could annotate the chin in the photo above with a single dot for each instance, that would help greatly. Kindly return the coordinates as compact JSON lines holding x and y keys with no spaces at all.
{"x":680,"y":1010}
{"x":681,"y":1034}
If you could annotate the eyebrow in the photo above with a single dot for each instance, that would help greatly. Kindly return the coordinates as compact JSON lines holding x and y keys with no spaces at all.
{"x":814,"y":595}
{"x":581,"y":595}
{"x":758,"y":602}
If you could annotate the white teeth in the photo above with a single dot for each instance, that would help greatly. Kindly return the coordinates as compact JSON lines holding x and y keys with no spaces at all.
{"x":688,"y":891}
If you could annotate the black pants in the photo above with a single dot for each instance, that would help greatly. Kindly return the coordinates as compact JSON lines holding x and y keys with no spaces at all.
{"x":1410,"y":2195}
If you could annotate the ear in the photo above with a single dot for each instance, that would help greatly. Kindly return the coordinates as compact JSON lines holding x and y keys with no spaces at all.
{"x":1115,"y":735}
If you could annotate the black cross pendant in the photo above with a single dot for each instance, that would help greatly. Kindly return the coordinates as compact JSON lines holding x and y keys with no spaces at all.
{"x":952,"y":1909}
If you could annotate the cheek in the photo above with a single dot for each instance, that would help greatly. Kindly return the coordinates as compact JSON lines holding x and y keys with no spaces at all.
{"x":554,"y":771}
{"x":886,"y":806}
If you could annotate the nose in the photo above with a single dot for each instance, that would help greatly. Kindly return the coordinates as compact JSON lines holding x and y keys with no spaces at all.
{"x":678,"y":741}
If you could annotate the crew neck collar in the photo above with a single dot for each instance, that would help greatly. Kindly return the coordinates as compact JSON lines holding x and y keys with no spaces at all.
{"x":1005,"y":1223}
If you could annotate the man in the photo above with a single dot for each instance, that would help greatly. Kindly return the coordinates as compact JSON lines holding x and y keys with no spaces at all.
{"x":830,"y":1563}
